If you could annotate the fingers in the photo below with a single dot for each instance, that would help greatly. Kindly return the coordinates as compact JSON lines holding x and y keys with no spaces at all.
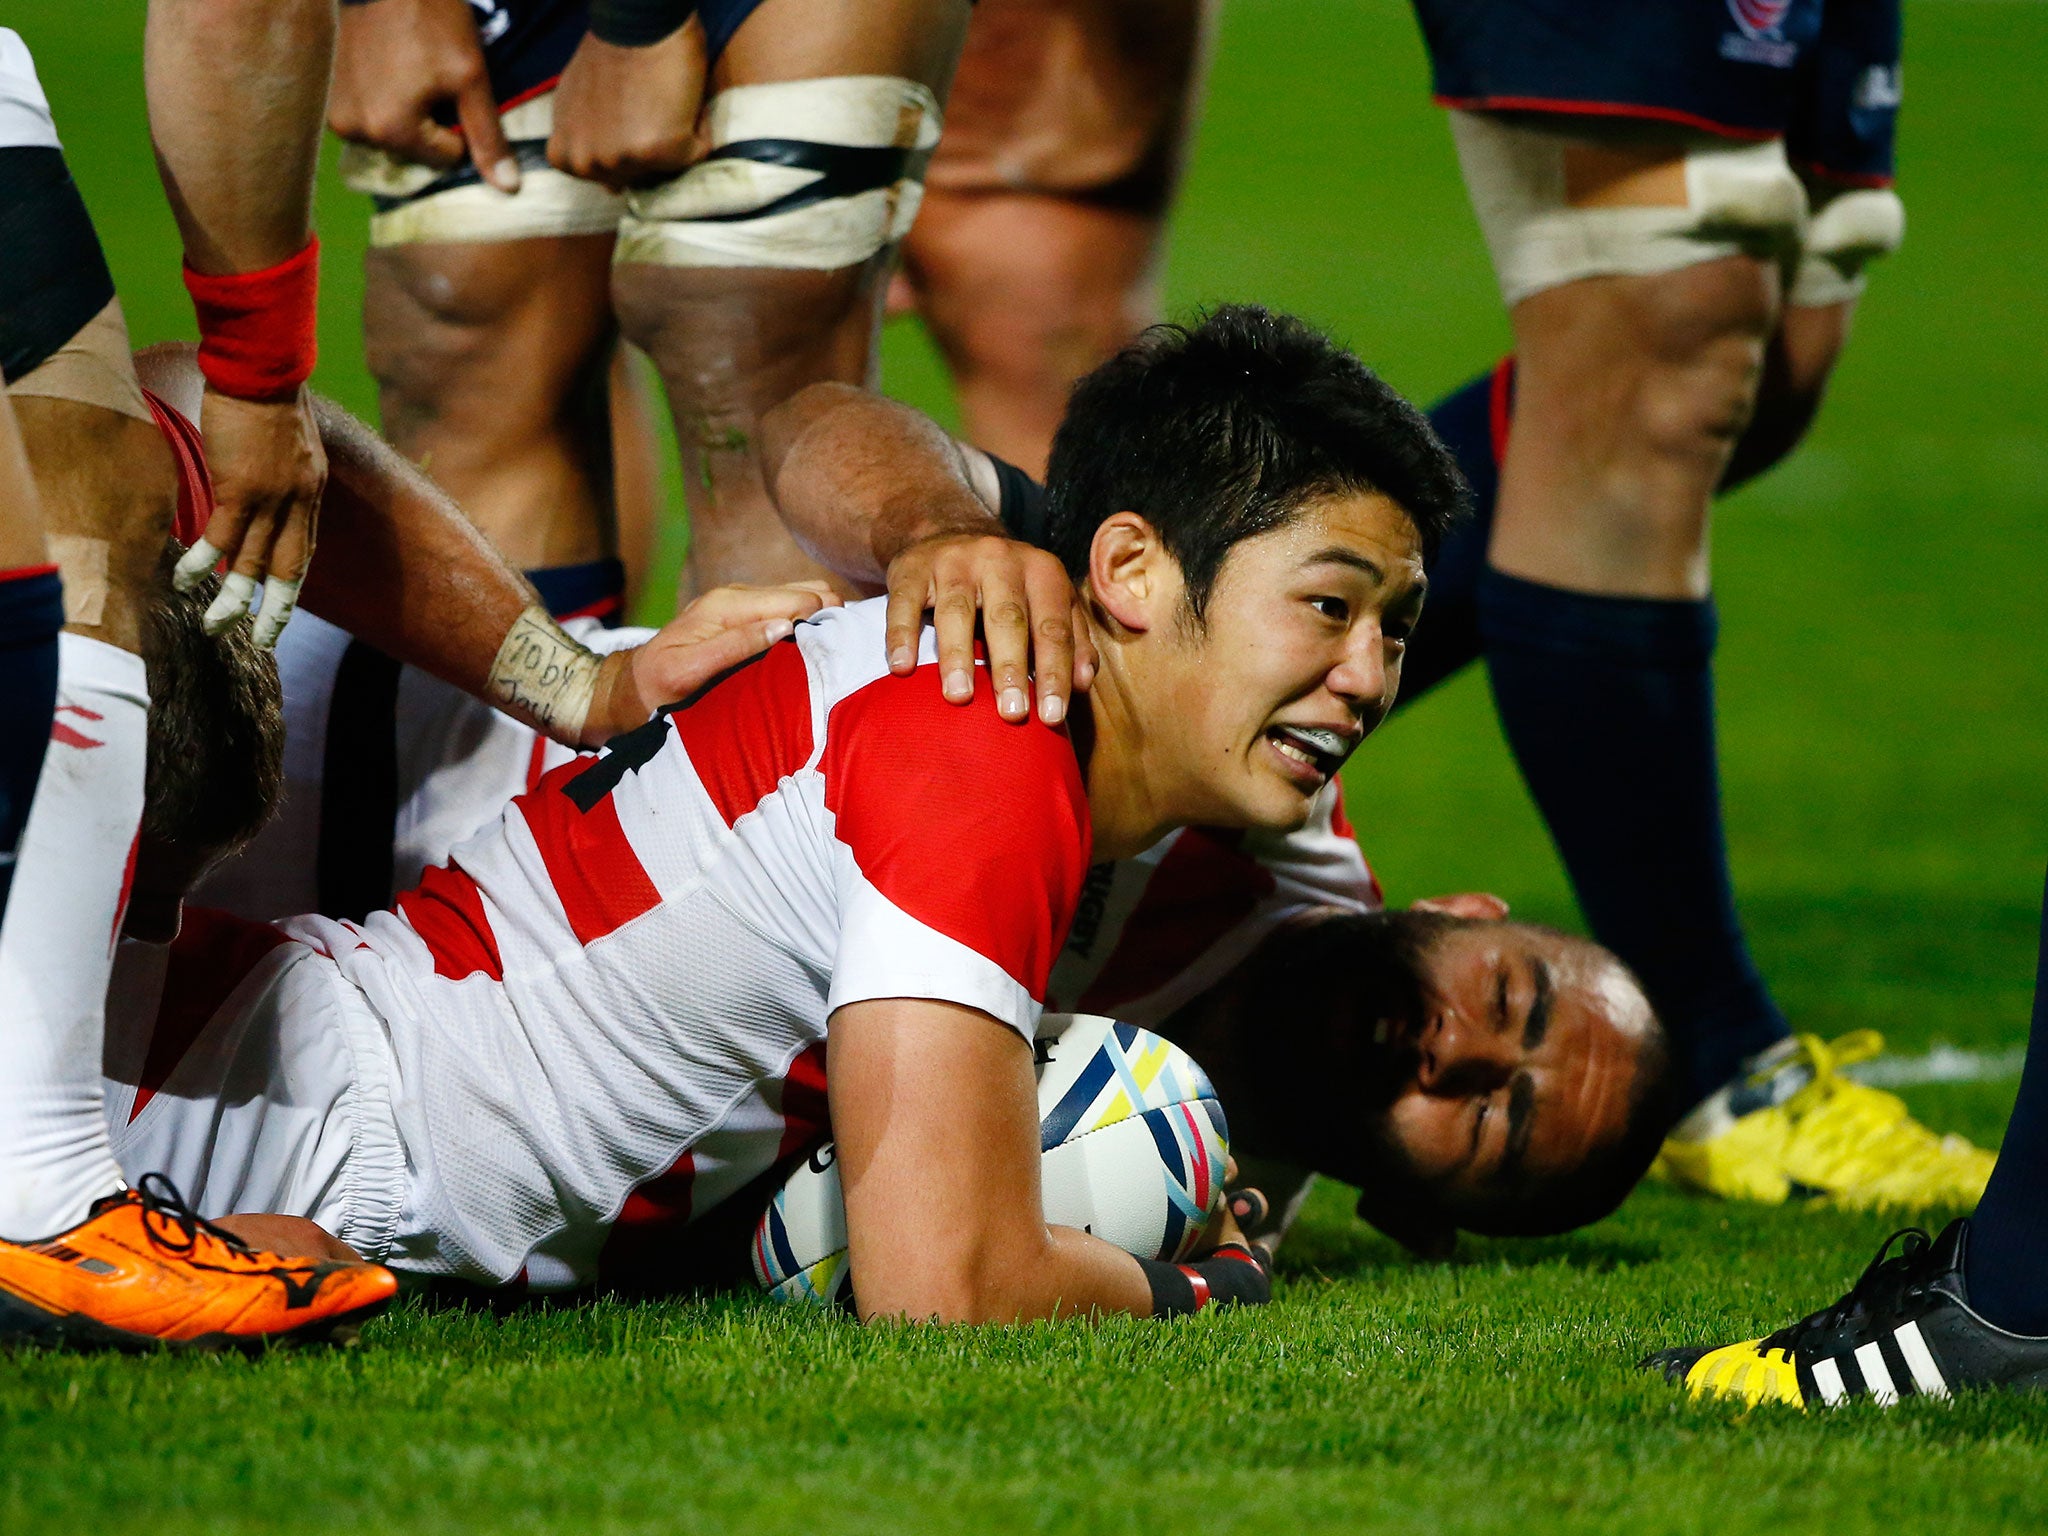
{"x":728,"y":607}
{"x":1052,"y":642}
{"x":903,"y":624}
{"x":489,"y":150}
{"x":679,"y":671}
{"x":1006,"y":626}
{"x":1250,"y":1208}
{"x":954,"y":611}
{"x":197,"y":562}
{"x":1085,"y":658}
{"x":280,"y":601}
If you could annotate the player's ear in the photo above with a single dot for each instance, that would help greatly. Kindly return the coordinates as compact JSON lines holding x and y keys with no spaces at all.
{"x":1130,"y":573}
{"x":1427,"y":1237}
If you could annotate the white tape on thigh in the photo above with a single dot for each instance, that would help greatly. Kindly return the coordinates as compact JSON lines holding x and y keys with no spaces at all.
{"x":548,"y":202}
{"x":1851,"y":230}
{"x":82,"y":567}
{"x":543,"y":677}
{"x":722,"y":211}
{"x":1741,"y":199}
{"x":24,"y":109}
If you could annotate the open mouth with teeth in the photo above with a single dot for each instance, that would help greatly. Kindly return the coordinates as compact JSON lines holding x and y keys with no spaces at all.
{"x":1323,"y":751}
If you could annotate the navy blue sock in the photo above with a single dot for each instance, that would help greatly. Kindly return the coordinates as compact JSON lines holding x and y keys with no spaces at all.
{"x":596,"y":589}
{"x":1608,"y":703}
{"x":2005,"y":1264}
{"x":1473,"y":424}
{"x":31,"y":614}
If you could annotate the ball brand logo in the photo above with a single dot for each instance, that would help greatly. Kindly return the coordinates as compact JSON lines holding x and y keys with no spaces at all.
{"x":1759,"y":18}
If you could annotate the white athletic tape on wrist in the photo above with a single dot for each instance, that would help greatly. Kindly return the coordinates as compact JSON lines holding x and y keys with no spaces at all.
{"x":802,"y":174}
{"x":194,"y":564}
{"x":1851,"y":230}
{"x":548,"y":203}
{"x":230,"y":603}
{"x":280,"y":598}
{"x":1741,"y":199}
{"x":544,"y":677}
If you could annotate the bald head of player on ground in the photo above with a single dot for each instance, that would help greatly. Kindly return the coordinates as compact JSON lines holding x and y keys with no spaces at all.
{"x":1465,"y":1072}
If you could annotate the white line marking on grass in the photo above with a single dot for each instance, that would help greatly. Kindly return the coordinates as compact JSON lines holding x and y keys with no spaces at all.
{"x":1945,"y":1063}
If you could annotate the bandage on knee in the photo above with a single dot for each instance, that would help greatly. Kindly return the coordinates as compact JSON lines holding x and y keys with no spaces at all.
{"x":1739,"y":200}
{"x":93,"y":367}
{"x":425,"y":204}
{"x":806,"y":174}
{"x":1851,"y":230}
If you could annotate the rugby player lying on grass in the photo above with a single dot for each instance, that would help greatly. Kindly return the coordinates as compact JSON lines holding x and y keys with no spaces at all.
{"x":1485,"y":1075}
{"x":607,"y":986}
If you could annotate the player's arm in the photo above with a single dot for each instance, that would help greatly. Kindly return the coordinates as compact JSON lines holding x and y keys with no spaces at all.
{"x":237,"y":95}
{"x":410,"y":575}
{"x":879,"y":492}
{"x":935,"y":1113}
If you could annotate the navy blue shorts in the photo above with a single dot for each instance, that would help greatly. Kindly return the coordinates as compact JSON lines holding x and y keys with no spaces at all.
{"x":1823,"y":74}
{"x":528,"y":43}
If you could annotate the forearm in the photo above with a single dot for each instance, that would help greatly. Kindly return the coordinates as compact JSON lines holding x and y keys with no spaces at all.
{"x":1069,"y":1273}
{"x":401,"y":567}
{"x":237,"y":94}
{"x":859,"y":478}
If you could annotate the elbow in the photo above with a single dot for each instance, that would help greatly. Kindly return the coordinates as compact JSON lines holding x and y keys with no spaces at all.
{"x":976,"y":1286}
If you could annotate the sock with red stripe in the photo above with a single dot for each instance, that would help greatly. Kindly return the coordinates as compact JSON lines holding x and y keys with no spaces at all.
{"x":1231,"y":1276}
{"x":596,"y":589}
{"x":31,"y":613}
{"x":1472,"y":422}
{"x":56,"y":950}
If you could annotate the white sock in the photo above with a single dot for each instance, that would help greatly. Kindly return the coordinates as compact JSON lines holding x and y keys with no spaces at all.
{"x":57,"y":946}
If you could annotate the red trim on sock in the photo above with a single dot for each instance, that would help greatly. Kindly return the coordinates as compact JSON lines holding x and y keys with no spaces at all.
{"x":1201,"y":1285}
{"x":28,"y":572}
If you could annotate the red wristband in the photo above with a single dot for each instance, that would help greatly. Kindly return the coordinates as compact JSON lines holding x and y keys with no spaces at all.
{"x":256,"y":329}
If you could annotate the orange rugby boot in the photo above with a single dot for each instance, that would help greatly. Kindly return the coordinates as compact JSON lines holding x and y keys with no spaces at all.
{"x":143,"y":1271}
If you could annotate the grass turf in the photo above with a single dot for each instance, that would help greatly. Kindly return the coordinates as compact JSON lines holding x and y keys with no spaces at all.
{"x":1882,"y":685}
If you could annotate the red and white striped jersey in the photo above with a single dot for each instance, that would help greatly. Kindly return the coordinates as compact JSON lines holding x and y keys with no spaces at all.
{"x":611,"y":992}
{"x":1148,"y":934}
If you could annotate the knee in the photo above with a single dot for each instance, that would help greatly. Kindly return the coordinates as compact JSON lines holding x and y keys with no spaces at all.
{"x":1033,"y":297}
{"x":488,"y":339}
{"x":1703,"y":334}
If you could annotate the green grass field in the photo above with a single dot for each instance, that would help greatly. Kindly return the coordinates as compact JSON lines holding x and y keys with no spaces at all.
{"x":1884,"y":684}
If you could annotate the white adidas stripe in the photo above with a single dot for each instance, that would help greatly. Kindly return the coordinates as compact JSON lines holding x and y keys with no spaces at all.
{"x":1876,"y":1376}
{"x":1828,"y":1377}
{"x":1927,"y":1377}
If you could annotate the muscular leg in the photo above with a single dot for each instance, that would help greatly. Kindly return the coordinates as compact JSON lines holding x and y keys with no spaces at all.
{"x":731,"y":342}
{"x":492,"y":361}
{"x":1599,"y":632}
{"x":1473,"y":422}
{"x":1037,"y":252}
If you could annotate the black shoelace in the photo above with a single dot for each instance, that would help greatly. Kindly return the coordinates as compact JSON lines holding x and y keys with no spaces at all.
{"x":1887,"y":1280}
{"x":172,"y":1223}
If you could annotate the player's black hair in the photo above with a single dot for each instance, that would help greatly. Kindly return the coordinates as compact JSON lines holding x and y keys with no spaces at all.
{"x":215,"y":762}
{"x":1217,"y":432}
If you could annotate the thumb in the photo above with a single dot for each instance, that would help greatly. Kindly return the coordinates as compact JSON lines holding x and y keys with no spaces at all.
{"x":666,"y":674}
{"x":489,"y":150}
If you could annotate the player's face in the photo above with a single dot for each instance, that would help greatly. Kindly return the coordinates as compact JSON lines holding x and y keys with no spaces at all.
{"x":1522,"y":1064}
{"x":1298,"y":660}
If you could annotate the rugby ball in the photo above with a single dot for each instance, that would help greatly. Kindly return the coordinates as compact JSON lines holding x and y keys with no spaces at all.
{"x":1132,"y":1143}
